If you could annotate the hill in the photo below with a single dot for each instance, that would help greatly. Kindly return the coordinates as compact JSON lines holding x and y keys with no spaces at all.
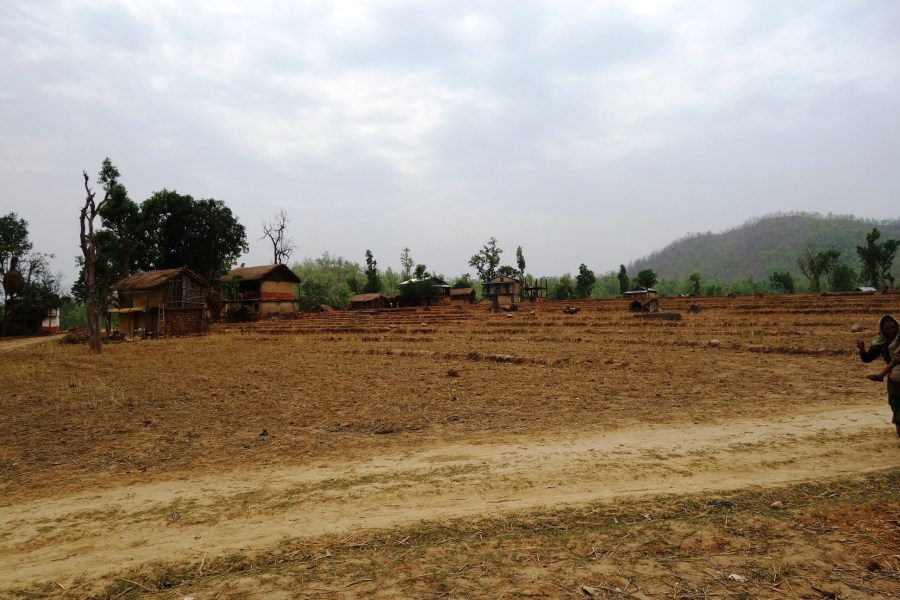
{"x":763,"y":245}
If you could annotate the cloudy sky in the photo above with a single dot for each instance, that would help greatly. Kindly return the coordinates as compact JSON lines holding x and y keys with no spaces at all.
{"x":583,"y":130}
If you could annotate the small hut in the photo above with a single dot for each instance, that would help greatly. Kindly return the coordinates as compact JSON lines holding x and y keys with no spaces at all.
{"x":161,"y":303}
{"x":260,"y":292}
{"x":367,"y":301}
{"x":462,"y":296}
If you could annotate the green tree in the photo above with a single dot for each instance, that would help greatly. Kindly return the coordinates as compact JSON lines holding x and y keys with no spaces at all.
{"x":14,"y":245}
{"x":421,"y":272}
{"x":202,"y":235}
{"x":520,"y":263}
{"x":326,"y":281}
{"x":584,"y":281}
{"x":813,"y":264}
{"x":373,"y":282}
{"x":646,"y":278}
{"x":564,"y":288}
{"x":842,"y":278}
{"x":624,"y":282}
{"x":782,"y":282}
{"x":487,"y":260}
{"x":391,"y":281}
{"x":508,"y":271}
{"x":406,"y":265}
{"x":29,"y":290}
{"x":463,"y":281}
{"x":877,"y":259}
{"x":694,"y":284}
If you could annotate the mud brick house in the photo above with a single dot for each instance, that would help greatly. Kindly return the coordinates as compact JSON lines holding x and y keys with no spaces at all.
{"x":367,"y":301}
{"x":253,"y":293}
{"x":502,"y":289}
{"x":462,"y":296}
{"x":161,"y":303}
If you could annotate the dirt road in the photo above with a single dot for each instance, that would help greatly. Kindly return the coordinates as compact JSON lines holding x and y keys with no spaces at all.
{"x":57,"y":538}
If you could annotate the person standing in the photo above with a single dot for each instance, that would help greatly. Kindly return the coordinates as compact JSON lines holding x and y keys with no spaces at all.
{"x":886,"y":345}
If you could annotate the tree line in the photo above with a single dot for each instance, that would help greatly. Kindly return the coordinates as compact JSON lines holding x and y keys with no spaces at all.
{"x":171,"y":230}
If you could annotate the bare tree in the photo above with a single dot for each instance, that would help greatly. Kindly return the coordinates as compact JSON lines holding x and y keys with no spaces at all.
{"x":109,"y":175}
{"x":275,"y":229}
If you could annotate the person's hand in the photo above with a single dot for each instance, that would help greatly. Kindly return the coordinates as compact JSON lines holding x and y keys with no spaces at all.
{"x":861,"y":345}
{"x":876,"y":377}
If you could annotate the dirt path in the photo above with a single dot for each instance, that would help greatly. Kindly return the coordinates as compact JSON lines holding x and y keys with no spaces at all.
{"x":56,"y":539}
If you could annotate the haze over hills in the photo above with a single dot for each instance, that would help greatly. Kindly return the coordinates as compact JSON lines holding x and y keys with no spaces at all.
{"x":764,"y":245}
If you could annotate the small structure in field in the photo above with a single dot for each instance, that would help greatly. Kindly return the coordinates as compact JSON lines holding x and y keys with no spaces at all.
{"x":462,"y":296}
{"x":367,"y":301}
{"x":321,"y":308}
{"x":50,"y":323}
{"x":536,"y":290}
{"x":502,"y":290}
{"x":642,"y":300}
{"x":161,"y":303}
{"x":253,"y":293}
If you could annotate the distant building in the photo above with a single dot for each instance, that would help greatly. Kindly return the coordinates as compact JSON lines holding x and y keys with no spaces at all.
{"x":502,"y":289}
{"x":161,"y":303}
{"x":260,"y":292}
{"x":640,"y":294}
{"x":462,"y":296}
{"x":367,"y":301}
{"x":50,"y":324}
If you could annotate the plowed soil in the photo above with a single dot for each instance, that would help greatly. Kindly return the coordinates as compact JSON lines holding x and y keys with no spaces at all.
{"x":459,"y":453}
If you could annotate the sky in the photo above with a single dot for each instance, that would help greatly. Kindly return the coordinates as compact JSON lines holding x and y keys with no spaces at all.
{"x":586,"y":131}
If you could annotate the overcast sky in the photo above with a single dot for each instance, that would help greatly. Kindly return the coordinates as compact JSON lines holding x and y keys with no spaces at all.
{"x":585,"y":131}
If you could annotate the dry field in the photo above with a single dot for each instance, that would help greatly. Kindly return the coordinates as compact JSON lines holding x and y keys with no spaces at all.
{"x":737,"y":453}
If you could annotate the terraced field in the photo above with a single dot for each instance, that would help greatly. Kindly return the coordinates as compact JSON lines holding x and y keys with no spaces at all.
{"x":734,"y":452}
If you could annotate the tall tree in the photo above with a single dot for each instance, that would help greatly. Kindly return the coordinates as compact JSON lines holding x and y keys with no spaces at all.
{"x":624,"y":282}
{"x":877,"y":259}
{"x":813,"y":264}
{"x":564,"y":288}
{"x":487,"y":260}
{"x":202,"y":235}
{"x":694,"y":284}
{"x":520,"y":262}
{"x":108,"y":179}
{"x":373,"y":282}
{"x":14,"y":245}
{"x":584,"y":281}
{"x":842,"y":278}
{"x":276,"y":230}
{"x":646,"y":278}
{"x":406,"y":265}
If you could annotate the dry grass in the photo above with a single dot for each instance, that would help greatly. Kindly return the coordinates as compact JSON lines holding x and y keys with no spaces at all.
{"x":350,"y":387}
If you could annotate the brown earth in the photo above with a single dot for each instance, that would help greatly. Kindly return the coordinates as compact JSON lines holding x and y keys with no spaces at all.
{"x":457,"y":453}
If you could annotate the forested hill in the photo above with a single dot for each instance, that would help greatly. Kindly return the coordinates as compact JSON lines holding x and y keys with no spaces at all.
{"x":764,"y":245}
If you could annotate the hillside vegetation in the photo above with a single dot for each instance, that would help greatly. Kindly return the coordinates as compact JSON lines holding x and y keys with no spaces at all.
{"x":761,"y":246}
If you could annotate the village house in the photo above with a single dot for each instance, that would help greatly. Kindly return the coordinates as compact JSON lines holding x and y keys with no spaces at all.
{"x":253,"y":293}
{"x":462,"y":296}
{"x":161,"y":303}
{"x":502,"y":289}
{"x":367,"y":301}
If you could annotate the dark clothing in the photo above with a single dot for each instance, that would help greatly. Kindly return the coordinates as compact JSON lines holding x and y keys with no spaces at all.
{"x":871,"y":354}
